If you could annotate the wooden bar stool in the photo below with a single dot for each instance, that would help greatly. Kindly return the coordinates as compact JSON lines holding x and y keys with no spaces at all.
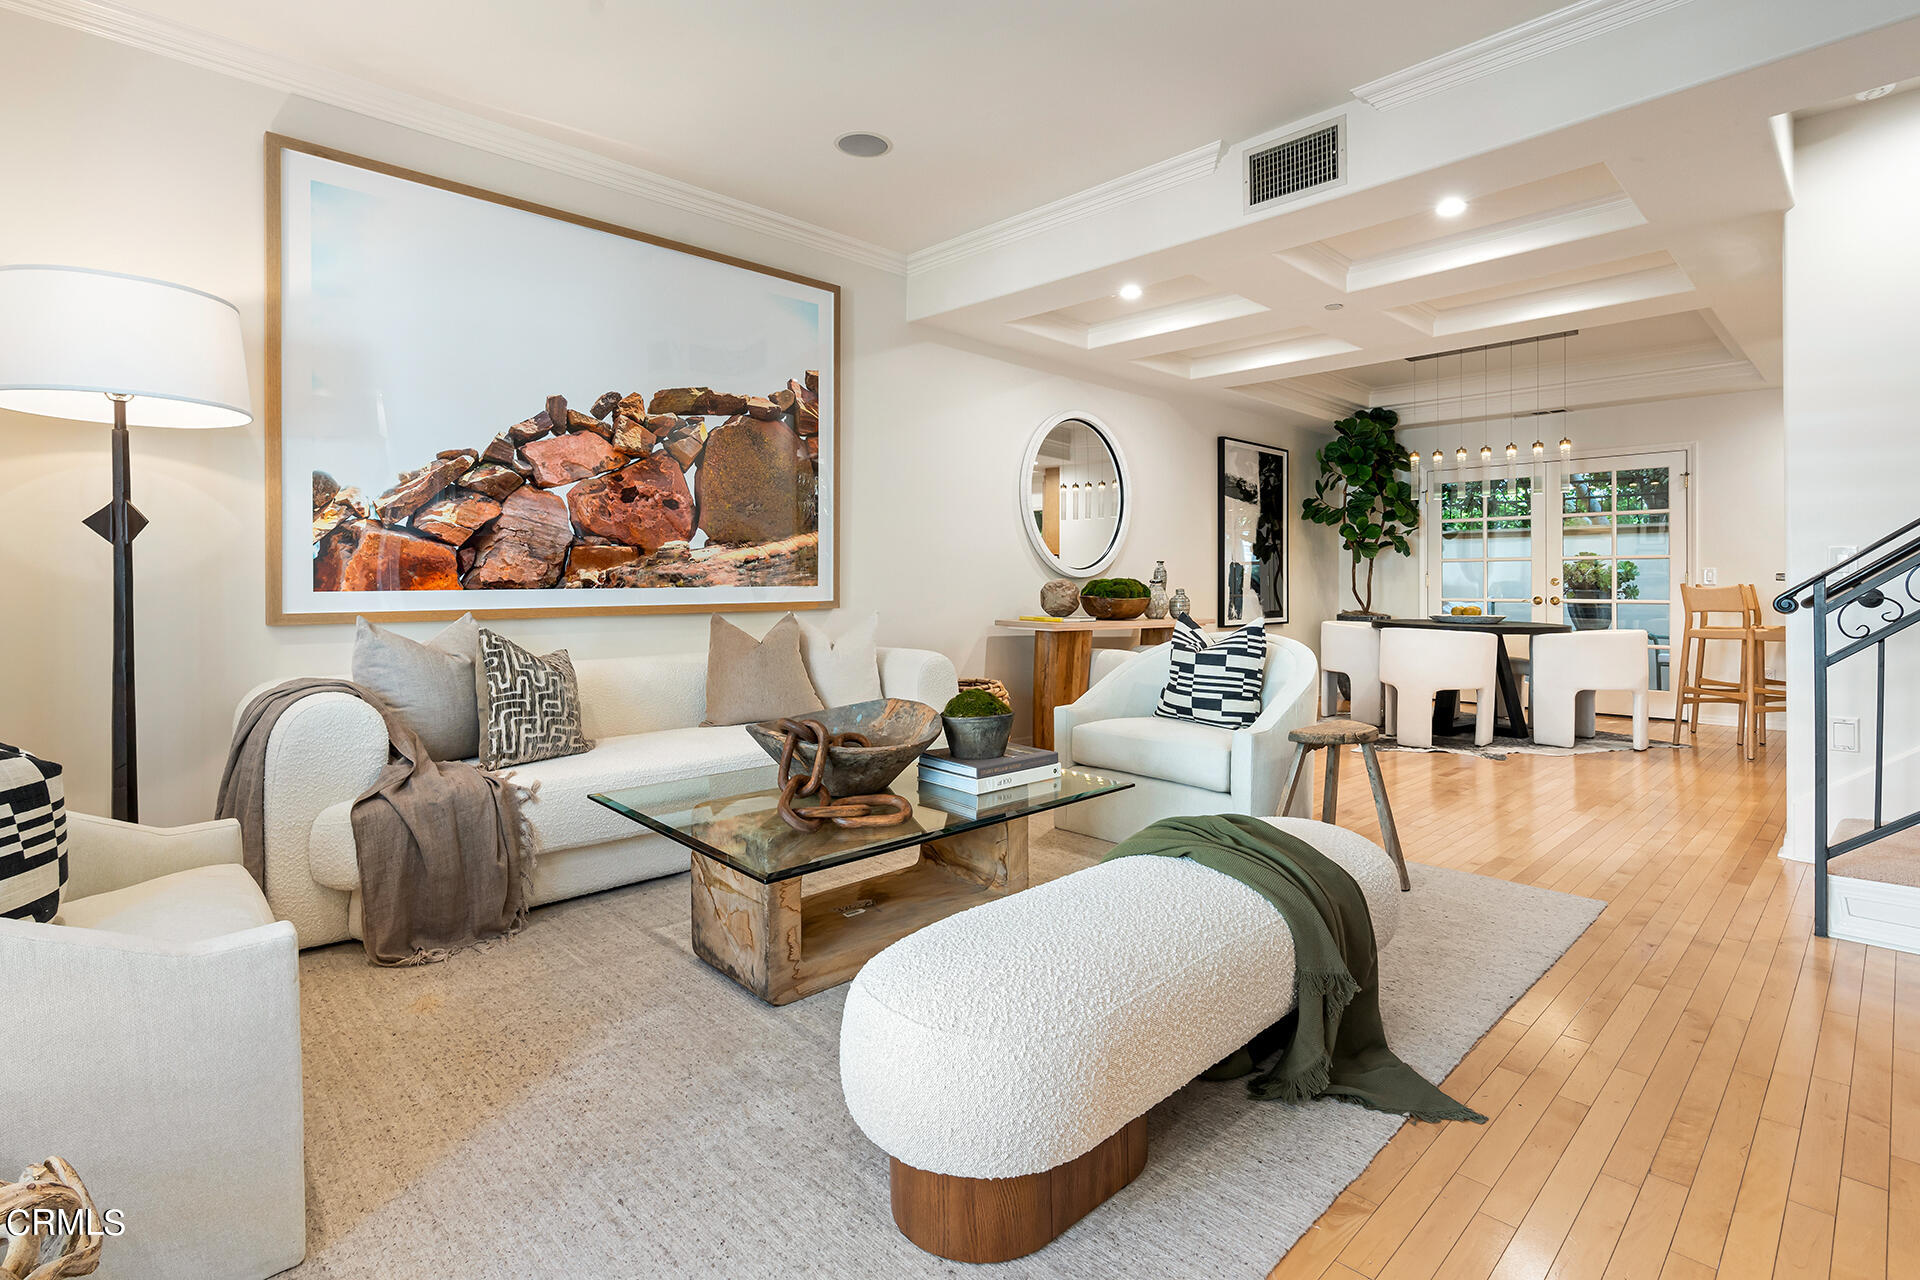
{"x":1766,"y":693}
{"x":1691,"y":685}
{"x":1334,"y":735}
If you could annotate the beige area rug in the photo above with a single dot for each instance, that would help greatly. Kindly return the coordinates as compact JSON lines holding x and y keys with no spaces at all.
{"x":590,"y":1101}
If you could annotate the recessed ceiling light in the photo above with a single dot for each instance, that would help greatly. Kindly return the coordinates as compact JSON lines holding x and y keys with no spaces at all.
{"x":864,"y":145}
{"x":1879,"y":91}
{"x":1450,"y":206}
{"x":1335,"y":306}
{"x":1130,"y":292}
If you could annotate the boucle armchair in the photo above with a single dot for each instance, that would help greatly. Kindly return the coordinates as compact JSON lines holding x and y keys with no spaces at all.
{"x":1176,"y":766}
{"x":162,"y":1008}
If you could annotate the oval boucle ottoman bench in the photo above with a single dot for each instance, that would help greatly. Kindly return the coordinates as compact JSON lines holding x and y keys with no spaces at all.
{"x":1005,"y":1058}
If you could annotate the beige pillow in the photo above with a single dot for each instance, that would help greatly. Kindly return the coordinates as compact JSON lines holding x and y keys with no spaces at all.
{"x":846,"y":670}
{"x":429,"y":686}
{"x":763,"y":679}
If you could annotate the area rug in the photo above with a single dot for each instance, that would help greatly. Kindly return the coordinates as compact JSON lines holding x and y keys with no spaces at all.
{"x":1502,"y":746}
{"x":590,"y":1100}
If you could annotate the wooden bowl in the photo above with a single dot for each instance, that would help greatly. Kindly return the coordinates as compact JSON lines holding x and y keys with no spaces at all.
{"x":897,"y":729}
{"x":1114,"y":608}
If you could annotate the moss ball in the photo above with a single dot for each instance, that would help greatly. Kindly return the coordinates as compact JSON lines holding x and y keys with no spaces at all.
{"x":976,"y":702}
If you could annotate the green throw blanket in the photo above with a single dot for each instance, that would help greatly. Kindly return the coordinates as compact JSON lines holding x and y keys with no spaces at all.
{"x":1333,"y":1043}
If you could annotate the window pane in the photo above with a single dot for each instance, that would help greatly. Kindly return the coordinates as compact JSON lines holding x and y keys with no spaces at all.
{"x":1510,"y":497}
{"x":1587,"y":536}
{"x":1460,"y":498}
{"x":1461,"y":541}
{"x":1464,"y":579}
{"x":1510,"y":539}
{"x":1590,"y":617}
{"x":1640,"y":489}
{"x":1510,"y":579}
{"x":1645,"y":535}
{"x":1650,"y":618}
{"x":1659,"y":668}
{"x":1645,"y":579}
{"x":1587,"y":491}
{"x":1586,"y":578}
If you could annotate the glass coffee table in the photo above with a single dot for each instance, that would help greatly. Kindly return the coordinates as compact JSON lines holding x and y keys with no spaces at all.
{"x":749,"y":919}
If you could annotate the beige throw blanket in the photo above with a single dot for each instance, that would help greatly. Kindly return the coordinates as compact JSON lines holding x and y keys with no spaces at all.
{"x":442,"y":848}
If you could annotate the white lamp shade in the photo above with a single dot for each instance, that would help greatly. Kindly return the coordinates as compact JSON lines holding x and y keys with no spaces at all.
{"x":69,"y":337}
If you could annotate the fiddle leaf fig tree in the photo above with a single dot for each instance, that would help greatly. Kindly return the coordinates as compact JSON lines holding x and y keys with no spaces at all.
{"x":1360,"y":491}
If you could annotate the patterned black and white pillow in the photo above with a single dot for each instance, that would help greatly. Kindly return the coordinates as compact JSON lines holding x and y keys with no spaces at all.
{"x":530,"y":706}
{"x":1217,"y":684}
{"x":33,"y":836}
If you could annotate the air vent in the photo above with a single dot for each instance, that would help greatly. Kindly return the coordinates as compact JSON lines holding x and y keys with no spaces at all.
{"x":1293,"y":166}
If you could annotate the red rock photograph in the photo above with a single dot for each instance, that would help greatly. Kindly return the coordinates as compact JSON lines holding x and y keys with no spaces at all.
{"x":686,"y":487}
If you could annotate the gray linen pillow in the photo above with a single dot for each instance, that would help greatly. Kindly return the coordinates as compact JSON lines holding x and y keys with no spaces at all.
{"x":429,"y":686}
{"x":533,"y":705}
{"x":763,"y":679}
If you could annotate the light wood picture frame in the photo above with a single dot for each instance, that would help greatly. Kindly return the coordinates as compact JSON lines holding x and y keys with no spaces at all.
{"x":511,"y":410}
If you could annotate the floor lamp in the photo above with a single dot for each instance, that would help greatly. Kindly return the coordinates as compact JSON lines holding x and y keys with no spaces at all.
{"x":93,"y":346}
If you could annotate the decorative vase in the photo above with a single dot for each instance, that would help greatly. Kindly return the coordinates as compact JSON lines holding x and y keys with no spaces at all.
{"x":1157,"y":591}
{"x":978,"y":737}
{"x":1060,"y":597}
{"x":1180,"y":606}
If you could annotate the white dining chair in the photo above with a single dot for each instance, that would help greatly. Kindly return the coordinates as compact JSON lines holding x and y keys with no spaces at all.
{"x":1416,"y":663}
{"x":1350,"y":649}
{"x":1569,"y":669}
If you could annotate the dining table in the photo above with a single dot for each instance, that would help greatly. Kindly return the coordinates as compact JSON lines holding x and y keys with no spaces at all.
{"x":1446,"y":704}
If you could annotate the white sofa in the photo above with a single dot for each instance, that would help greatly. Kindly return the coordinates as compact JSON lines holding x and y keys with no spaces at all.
{"x":1176,"y":766}
{"x":154,"y":1043}
{"x":643,"y":716}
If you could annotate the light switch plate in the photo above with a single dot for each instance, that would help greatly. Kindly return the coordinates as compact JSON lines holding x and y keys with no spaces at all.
{"x":1844,"y":735}
{"x":1709,"y":577}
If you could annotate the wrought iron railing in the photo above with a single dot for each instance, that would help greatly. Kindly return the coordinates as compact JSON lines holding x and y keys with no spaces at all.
{"x":1857,"y":606}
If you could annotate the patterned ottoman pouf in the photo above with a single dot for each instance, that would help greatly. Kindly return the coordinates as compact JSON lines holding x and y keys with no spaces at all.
{"x":33,"y":836}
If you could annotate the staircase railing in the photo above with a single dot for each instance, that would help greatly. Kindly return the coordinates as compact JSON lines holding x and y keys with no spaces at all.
{"x":1879,"y":581}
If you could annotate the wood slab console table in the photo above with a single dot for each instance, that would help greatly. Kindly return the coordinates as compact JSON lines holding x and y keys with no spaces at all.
{"x":1063,"y":658}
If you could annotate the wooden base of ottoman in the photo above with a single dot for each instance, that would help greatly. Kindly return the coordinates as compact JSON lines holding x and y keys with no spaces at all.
{"x":995,"y":1219}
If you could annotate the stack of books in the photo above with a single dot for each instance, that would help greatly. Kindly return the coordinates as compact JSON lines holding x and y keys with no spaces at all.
{"x":984,"y":781}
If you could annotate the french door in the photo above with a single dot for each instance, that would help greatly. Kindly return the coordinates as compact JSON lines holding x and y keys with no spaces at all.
{"x":1599,"y":543}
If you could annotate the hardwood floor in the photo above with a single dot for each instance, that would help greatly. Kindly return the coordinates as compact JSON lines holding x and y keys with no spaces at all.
{"x":1698,"y":1088}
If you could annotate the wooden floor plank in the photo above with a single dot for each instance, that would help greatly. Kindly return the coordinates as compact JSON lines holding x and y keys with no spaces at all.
{"x":1698,"y":1087}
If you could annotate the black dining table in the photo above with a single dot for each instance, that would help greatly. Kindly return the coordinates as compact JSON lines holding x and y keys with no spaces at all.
{"x":1446,"y":704}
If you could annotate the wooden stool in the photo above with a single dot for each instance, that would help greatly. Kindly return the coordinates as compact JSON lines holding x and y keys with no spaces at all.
{"x":1333,"y":735}
{"x":1691,"y":687}
{"x":1764,"y":692}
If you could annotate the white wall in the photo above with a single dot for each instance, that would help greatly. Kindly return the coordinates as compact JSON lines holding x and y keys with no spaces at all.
{"x":1853,"y":384}
{"x":129,"y":162}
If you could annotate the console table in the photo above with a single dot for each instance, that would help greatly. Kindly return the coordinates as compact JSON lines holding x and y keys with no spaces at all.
{"x":1063,"y":658}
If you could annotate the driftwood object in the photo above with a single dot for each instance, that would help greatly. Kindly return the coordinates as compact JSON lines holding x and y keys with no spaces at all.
{"x":52,"y":1187}
{"x":883,"y":810}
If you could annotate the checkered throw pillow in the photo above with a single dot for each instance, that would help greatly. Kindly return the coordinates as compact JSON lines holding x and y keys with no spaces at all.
{"x":1217,"y":684}
{"x":33,"y":836}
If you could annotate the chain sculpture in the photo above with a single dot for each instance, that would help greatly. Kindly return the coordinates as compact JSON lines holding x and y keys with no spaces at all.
{"x":847,"y":811}
{"x":51,"y":1186}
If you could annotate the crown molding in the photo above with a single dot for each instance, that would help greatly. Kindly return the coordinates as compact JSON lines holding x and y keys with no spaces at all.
{"x":1171,"y":172}
{"x":1503,"y":49}
{"x":352,"y":93}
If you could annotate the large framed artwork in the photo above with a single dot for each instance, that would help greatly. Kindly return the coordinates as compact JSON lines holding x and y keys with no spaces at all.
{"x":478,"y":403}
{"x":1253,"y":532}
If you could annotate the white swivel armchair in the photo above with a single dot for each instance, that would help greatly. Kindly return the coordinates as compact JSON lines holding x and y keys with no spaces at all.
{"x":154,"y":1043}
{"x":1416,"y":663}
{"x":1178,"y":767}
{"x":1350,"y":649}
{"x":1569,"y":669}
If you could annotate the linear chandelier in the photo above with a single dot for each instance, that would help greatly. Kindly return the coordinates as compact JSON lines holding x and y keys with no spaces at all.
{"x":1489,"y":359}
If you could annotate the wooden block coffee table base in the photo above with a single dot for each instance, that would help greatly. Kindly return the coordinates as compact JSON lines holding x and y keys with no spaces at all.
{"x":782,"y":946}
{"x":995,"y":1219}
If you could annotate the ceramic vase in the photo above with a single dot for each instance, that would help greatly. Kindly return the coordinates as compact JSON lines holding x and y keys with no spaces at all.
{"x":1181,"y":605}
{"x":1157,"y":591}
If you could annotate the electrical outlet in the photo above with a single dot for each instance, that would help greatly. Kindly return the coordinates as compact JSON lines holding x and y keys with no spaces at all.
{"x":1844,"y":735}
{"x":1709,"y":577}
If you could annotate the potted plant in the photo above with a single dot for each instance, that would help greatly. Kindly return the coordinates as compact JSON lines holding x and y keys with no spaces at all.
{"x":1361,"y":493}
{"x":978,"y":725}
{"x":1114,"y":599}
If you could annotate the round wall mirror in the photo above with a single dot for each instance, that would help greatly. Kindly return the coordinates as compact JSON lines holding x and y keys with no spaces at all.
{"x":1074,"y":498}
